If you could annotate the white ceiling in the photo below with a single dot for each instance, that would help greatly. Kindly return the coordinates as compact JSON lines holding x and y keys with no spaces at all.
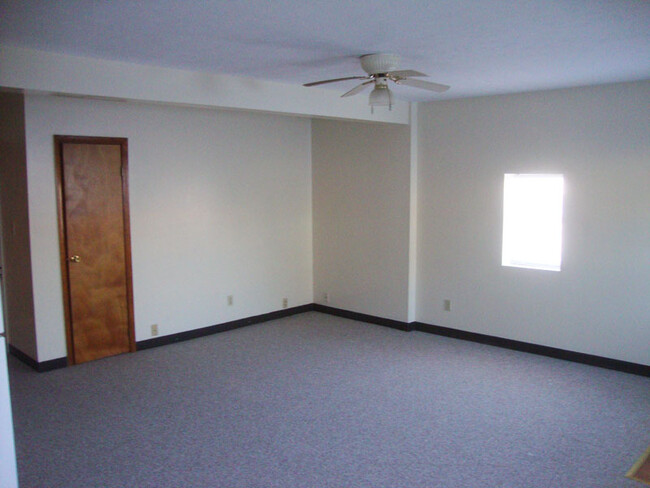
{"x":478,"y":47}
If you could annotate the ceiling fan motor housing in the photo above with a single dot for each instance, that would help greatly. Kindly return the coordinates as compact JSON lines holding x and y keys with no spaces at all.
{"x":380,"y":63}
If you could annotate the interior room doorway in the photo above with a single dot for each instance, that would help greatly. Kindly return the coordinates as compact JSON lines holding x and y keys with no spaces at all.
{"x":95,"y":246}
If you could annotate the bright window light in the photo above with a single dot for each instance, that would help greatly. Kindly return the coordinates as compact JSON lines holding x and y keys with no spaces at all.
{"x":532,"y":221}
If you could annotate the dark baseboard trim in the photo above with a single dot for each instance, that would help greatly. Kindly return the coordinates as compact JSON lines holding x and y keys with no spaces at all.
{"x":40,"y":367}
{"x":553,"y":352}
{"x":362,"y":317}
{"x":577,"y":357}
{"x":215,"y":329}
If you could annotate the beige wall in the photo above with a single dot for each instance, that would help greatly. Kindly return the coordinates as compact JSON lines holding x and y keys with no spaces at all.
{"x":599,"y":138}
{"x":220,"y":204}
{"x":361,"y":180}
{"x":17,"y":270}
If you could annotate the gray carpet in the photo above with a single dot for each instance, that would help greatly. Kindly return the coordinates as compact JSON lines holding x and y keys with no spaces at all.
{"x":320,"y":401}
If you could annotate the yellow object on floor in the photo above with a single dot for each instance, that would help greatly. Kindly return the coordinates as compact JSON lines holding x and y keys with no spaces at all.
{"x":641,"y":469}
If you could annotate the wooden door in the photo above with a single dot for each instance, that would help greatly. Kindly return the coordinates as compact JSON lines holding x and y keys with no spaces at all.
{"x":95,"y":246}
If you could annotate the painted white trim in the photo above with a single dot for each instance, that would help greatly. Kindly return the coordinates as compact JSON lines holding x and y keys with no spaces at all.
{"x":8,"y":471}
{"x":413,"y":217}
{"x":39,"y":71}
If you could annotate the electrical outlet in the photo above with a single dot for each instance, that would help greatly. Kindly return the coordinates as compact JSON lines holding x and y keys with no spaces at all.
{"x":326,"y":297}
{"x":285,"y":302}
{"x":154,"y":330}
{"x":230,"y":300}
{"x":447,"y":304}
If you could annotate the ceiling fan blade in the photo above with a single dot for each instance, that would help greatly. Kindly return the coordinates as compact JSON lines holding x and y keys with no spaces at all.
{"x":425,"y":85}
{"x":405,"y":73}
{"x":322,"y":82}
{"x":357,"y":89}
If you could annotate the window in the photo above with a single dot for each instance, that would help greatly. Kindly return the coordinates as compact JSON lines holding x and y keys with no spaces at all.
{"x":532,"y":221}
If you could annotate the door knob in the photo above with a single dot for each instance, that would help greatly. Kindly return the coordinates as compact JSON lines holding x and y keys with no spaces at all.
{"x":75,"y":259}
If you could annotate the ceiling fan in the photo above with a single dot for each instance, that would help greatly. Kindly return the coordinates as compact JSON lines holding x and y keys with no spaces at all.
{"x":381,"y":68}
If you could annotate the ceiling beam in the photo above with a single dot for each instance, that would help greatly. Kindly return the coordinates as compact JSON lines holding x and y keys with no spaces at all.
{"x":43,"y":72}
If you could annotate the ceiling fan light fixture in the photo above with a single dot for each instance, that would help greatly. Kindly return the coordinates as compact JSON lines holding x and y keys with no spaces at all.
{"x":381,"y":96}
